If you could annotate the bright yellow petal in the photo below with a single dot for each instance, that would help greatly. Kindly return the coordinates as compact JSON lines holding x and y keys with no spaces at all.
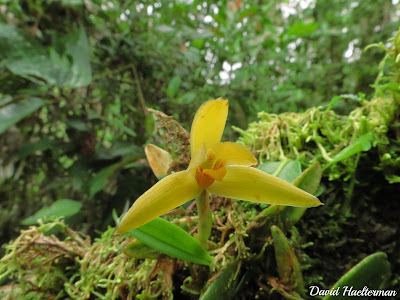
{"x":199,"y":157}
{"x":246,"y":183}
{"x":234,"y":154}
{"x":168,"y":193}
{"x":208,"y":125}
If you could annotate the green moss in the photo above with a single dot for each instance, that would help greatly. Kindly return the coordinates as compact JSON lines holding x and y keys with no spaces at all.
{"x":318,"y":134}
{"x":42,"y":266}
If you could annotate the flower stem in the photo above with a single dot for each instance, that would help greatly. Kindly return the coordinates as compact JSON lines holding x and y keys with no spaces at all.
{"x":205,"y":217}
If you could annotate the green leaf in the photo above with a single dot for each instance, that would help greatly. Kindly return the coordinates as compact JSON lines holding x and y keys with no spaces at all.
{"x":137,"y":249}
{"x":79,"y":71}
{"x":308,"y":181}
{"x":30,"y":148}
{"x":99,"y":180}
{"x":287,"y":171}
{"x":15,"y":111}
{"x":150,"y":124}
{"x":224,"y":286}
{"x":60,"y":208}
{"x":118,"y":149}
{"x":300,"y":29}
{"x":270,"y":167}
{"x":172,"y":240}
{"x":372,"y":272}
{"x":79,"y":174}
{"x":77,"y":124}
{"x":343,"y":96}
{"x":173,"y":86}
{"x":21,"y":53}
{"x":198,"y":43}
{"x":7,"y":99}
{"x":27,"y":57}
{"x":363,"y":143}
{"x":186,"y":98}
{"x":287,"y":263}
{"x":290,"y":171}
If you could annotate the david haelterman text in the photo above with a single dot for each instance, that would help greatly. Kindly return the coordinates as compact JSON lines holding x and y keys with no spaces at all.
{"x":350,"y":291}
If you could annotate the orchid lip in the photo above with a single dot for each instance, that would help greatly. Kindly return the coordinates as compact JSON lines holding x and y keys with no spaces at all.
{"x":202,"y":179}
{"x":206,"y":176}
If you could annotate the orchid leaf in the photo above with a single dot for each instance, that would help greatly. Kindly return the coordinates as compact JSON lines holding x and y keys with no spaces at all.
{"x":287,"y":263}
{"x":270,"y":167}
{"x":137,"y":249}
{"x":363,"y":143}
{"x":373,"y":272}
{"x":290,"y":171}
{"x":308,"y":181}
{"x":224,"y":286}
{"x":60,"y":208}
{"x":172,"y":240}
{"x":287,"y":171}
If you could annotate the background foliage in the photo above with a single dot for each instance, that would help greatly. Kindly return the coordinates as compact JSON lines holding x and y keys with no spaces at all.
{"x":77,"y":76}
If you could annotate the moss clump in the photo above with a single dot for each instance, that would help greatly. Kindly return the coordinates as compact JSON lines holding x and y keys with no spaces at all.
{"x":319,"y":134}
{"x":65,"y":264}
{"x":37,"y":264}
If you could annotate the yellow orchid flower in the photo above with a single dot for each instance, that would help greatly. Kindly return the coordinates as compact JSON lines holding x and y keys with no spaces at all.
{"x":220,"y":168}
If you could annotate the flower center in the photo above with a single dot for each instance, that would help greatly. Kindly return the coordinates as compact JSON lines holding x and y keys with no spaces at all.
{"x":210,"y":170}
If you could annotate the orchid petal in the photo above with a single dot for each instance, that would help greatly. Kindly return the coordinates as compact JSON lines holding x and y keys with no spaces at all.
{"x":198,"y":157}
{"x":250,"y":184}
{"x":208,"y":125}
{"x":234,"y":154}
{"x":168,"y":193}
{"x":159,"y":160}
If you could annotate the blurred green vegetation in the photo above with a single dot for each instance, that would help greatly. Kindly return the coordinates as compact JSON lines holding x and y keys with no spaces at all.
{"x":77,"y":76}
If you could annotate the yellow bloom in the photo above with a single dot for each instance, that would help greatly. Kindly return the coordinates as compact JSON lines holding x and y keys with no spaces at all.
{"x":220,"y":168}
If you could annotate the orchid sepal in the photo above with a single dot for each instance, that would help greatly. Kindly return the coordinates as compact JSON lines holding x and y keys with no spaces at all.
{"x":251,"y":184}
{"x":170,"y":192}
